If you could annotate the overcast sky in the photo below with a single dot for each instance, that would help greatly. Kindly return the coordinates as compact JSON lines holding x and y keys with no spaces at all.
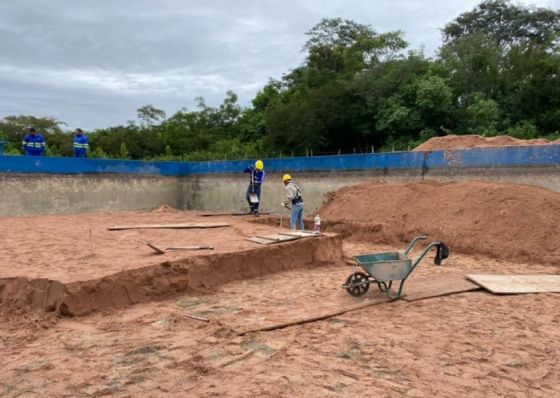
{"x":92,"y":63}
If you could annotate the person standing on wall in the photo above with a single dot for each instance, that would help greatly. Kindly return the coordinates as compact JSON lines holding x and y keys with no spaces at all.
{"x":293,"y":196}
{"x":33,"y":143}
{"x":253,"y":194}
{"x":81,"y":145}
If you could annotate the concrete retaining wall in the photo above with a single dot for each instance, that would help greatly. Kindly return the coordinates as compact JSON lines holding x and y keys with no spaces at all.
{"x":227,"y":192}
{"x":27,"y":194}
{"x":40,"y":185}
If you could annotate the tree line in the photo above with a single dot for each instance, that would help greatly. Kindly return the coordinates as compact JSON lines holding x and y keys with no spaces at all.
{"x":497,"y":72}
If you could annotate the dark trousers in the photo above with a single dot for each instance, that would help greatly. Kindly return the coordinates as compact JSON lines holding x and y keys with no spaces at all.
{"x":256,"y":189}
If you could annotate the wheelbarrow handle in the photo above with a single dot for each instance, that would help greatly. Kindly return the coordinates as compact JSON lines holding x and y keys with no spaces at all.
{"x":411,"y":245}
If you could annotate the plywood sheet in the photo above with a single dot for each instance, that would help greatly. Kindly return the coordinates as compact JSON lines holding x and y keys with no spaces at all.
{"x":517,"y":284}
{"x":443,"y":284}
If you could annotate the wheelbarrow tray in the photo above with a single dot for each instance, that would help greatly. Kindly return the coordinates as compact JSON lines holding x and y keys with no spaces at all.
{"x":386,"y":267}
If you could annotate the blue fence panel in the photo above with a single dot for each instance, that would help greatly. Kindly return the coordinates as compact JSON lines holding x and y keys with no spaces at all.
{"x":508,"y":156}
{"x":42,"y":164}
{"x":476,"y":157}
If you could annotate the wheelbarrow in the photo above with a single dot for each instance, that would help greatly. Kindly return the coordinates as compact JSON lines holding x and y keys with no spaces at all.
{"x":385,"y":268}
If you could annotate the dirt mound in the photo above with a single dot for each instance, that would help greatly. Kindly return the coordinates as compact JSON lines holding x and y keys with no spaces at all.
{"x":506,"y":221}
{"x":476,"y":141}
{"x":165,"y":209}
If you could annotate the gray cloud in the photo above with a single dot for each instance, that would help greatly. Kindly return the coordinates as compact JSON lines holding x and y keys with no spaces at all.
{"x":93,"y":63}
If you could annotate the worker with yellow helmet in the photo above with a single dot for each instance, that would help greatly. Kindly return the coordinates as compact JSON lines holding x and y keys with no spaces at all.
{"x":293,"y":197}
{"x":253,"y":194}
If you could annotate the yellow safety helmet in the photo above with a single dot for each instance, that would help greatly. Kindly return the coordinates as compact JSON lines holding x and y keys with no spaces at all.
{"x":287,"y":177}
{"x":259,"y":165}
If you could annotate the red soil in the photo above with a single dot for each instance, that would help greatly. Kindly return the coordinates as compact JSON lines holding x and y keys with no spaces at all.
{"x":476,"y":141}
{"x":50,"y":262}
{"x":506,"y":221}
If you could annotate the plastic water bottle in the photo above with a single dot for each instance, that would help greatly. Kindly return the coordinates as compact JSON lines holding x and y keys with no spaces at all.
{"x":317,"y":225}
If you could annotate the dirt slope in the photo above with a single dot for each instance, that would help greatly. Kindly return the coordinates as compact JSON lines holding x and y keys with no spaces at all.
{"x":476,"y":141}
{"x":506,"y":221}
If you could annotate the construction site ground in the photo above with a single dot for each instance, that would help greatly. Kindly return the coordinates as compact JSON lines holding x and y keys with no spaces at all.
{"x":469,"y":344}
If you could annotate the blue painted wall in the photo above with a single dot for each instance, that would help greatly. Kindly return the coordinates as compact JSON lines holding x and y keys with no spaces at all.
{"x":478,"y":157}
{"x":42,"y":164}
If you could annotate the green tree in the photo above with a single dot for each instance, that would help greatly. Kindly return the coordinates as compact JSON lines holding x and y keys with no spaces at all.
{"x":503,"y":61}
{"x":150,"y":115}
{"x":123,"y":151}
{"x":506,"y":23}
{"x":484,"y":116}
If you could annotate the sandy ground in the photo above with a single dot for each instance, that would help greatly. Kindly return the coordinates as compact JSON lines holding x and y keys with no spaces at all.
{"x":59,"y":246}
{"x":472,"y":344}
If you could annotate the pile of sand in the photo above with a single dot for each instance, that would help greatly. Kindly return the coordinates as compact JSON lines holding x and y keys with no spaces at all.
{"x":477,"y":141}
{"x":165,"y":209}
{"x":506,"y":221}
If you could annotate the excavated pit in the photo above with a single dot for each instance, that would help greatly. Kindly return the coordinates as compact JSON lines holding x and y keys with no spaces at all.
{"x":74,"y":275}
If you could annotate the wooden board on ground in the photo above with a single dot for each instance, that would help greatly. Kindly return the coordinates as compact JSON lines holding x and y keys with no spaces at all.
{"x":155,"y":248}
{"x":261,"y":240}
{"x":301,"y":234}
{"x":201,"y":247}
{"x":517,"y":284}
{"x":315,"y":316}
{"x":167,"y":226}
{"x":278,"y":237}
{"x":229,"y":214}
{"x":160,"y":250}
{"x":271,"y":239}
{"x":443,"y":284}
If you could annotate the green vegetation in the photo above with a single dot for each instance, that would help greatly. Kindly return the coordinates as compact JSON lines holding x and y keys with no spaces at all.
{"x":497,"y":72}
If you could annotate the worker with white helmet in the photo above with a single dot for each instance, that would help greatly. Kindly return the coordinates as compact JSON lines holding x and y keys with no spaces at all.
{"x":253,"y":194}
{"x":293,"y":197}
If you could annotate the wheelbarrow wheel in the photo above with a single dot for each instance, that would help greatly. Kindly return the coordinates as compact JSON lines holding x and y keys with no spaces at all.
{"x":357,"y":284}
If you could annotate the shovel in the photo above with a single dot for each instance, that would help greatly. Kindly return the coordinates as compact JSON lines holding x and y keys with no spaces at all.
{"x":253,"y":198}
{"x":284,"y":205}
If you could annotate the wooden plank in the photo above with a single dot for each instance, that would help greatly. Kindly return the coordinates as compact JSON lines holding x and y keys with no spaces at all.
{"x":167,"y":226}
{"x":278,"y":237}
{"x":229,"y":214}
{"x":517,"y":284}
{"x":262,"y":241}
{"x":156,"y":249}
{"x":203,"y":247}
{"x":444,"y":284}
{"x":314,"y":318}
{"x":301,"y":234}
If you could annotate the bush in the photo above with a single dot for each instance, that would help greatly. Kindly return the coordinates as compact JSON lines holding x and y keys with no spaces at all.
{"x":524,"y":130}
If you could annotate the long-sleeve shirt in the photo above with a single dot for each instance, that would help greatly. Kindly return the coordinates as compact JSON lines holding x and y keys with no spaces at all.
{"x":257,"y":176}
{"x":34,"y":145}
{"x":81,"y":146}
{"x":293,"y":194}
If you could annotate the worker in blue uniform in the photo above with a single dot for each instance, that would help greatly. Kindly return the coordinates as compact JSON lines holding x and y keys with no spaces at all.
{"x":33,"y":143}
{"x":253,"y":194}
{"x":81,"y":145}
